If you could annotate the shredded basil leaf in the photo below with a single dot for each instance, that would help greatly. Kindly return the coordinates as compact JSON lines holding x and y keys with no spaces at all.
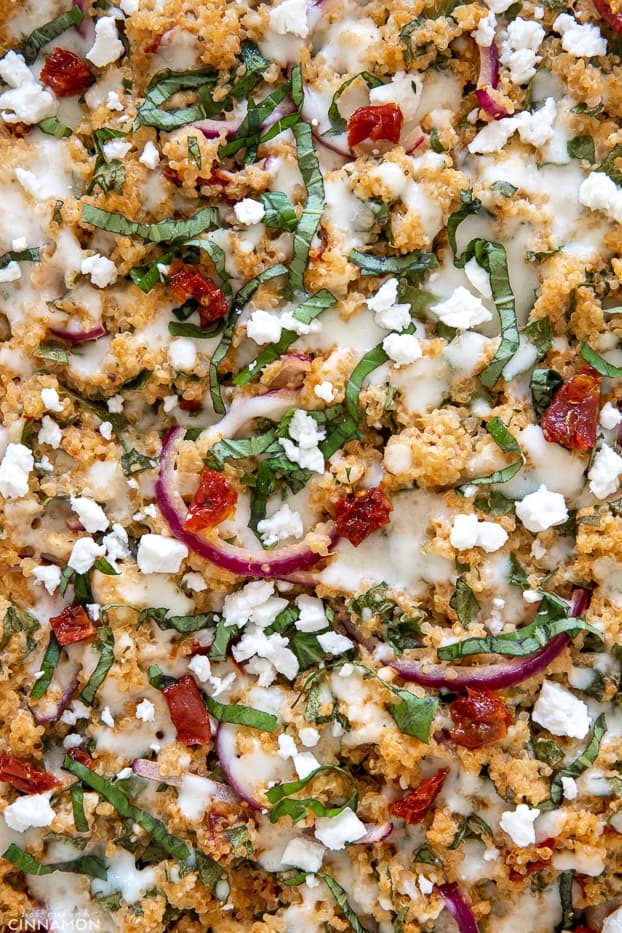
{"x":540,"y":334}
{"x":173,"y":846}
{"x":18,"y":620}
{"x":241,"y":715}
{"x":341,"y":897}
{"x":52,"y":126}
{"x":194,"y":150}
{"x":337,"y":122}
{"x":77,"y":805}
{"x":164,"y":230}
{"x":48,"y":666}
{"x":162,"y":87}
{"x":279,"y":797}
{"x":597,"y":362}
{"x":53,"y":353}
{"x":609,"y":165}
{"x":408,"y":264}
{"x":32,"y":44}
{"x":240,"y":840}
{"x":508,"y":444}
{"x":582,"y":147}
{"x":468,"y":205}
{"x":425,"y":854}
{"x":32,"y":254}
{"x":547,"y":751}
{"x":472,"y":826}
{"x":505,"y":188}
{"x":185,"y":625}
{"x":585,"y":760}
{"x":569,"y":915}
{"x":543,"y":385}
{"x":413,"y":715}
{"x":314,"y":205}
{"x":212,"y":875}
{"x":224,"y":634}
{"x":517,"y":575}
{"x":279,"y":211}
{"x":464,"y":602}
{"x":85,"y":865}
{"x":105,"y":642}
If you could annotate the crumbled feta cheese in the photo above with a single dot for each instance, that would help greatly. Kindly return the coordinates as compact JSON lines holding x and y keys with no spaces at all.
{"x":287,"y":747}
{"x":116,"y":543}
{"x":10,"y":273}
{"x":569,"y":788}
{"x":518,"y":824}
{"x":604,"y":474}
{"x":150,"y":157}
{"x":600,"y":193}
{"x":334,"y":643}
{"x":518,"y":51}
{"x":49,"y":576}
{"x":249,"y":212}
{"x":94,"y":611}
{"x":303,"y":853}
{"x":305,"y":763}
{"x":613,"y":923}
{"x":105,"y":429}
{"x":115,"y":404}
{"x":194,"y":581}
{"x":107,"y":47}
{"x":325,"y":390}
{"x":335,"y":832}
{"x":107,"y":717}
{"x":263,"y":327}
{"x":157,"y":554}
{"x":468,"y":532}
{"x":535,"y":128}
{"x":425,"y":885}
{"x":283,"y":524}
{"x":290,"y":17}
{"x":116,"y":149}
{"x":561,"y":712}
{"x":201,"y":666}
{"x":388,"y":313}
{"x":102,"y":271}
{"x":19,"y":243}
{"x":305,"y":452}
{"x":113,"y":101}
{"x":26,"y":101}
{"x":51,"y":399}
{"x":129,"y":6}
{"x":169,"y":402}
{"x":273,"y":648}
{"x":15,"y":469}
{"x":478,"y":278}
{"x":309,"y":736}
{"x":610,"y":417}
{"x":182,"y":354}
{"x":145,"y":711}
{"x":49,"y":433}
{"x":532,"y":596}
{"x":312,"y":614}
{"x":485,"y":33}
{"x":84,"y":554}
{"x":91,"y":515}
{"x":403,"y":89}
{"x":402,"y":349}
{"x":462,"y":310}
{"x":30,"y":811}
{"x":542,"y":509}
{"x":255,"y":602}
{"x":580,"y":39}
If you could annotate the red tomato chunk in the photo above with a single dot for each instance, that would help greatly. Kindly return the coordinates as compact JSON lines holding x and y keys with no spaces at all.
{"x":414,"y":806}
{"x":479,"y":718}
{"x":65,"y":73}
{"x":24,"y":777}
{"x":572,"y":417}
{"x":359,"y":515}
{"x":186,"y":283}
{"x":188,"y":712}
{"x":614,"y":20}
{"x":72,"y":625}
{"x":214,"y":500}
{"x":382,"y":121}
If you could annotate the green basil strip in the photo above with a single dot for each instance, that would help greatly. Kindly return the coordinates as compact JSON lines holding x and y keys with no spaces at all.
{"x":185,"y":625}
{"x":254,"y":64}
{"x":164,"y":230}
{"x":105,"y":641}
{"x":147,"y":277}
{"x":433,"y":10}
{"x":468,"y":205}
{"x":306,"y":312}
{"x":178,"y":329}
{"x":245,"y":447}
{"x":32,"y":254}
{"x":569,"y":915}
{"x":585,"y":760}
{"x":48,"y":666}
{"x":212,"y":875}
{"x":172,"y":845}
{"x":505,"y":188}
{"x":609,"y":165}
{"x":543,"y":385}
{"x":518,"y":644}
{"x":77,"y":805}
{"x":297,"y":809}
{"x":217,"y":255}
{"x":540,"y":334}
{"x":248,"y":132}
{"x":508,"y":444}
{"x":341,"y":897}
{"x":32,"y":44}
{"x":224,"y":634}
{"x":279,"y":211}
{"x":85,"y":865}
{"x":337,"y":122}
{"x":52,"y":126}
{"x":241,"y":715}
{"x":413,"y":715}
{"x":393,"y":265}
{"x":597,"y":362}
{"x":464,"y":602}
{"x":314,"y":205}
{"x":581,"y":147}
{"x":162,"y":86}
{"x":243,"y":296}
{"x":18,"y":620}
{"x":492,"y":258}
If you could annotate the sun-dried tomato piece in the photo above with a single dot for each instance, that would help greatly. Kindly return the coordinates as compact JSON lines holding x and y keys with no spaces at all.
{"x":376,"y":122}
{"x":214,"y":500}
{"x":72,"y":625}
{"x":362,"y":513}
{"x":414,"y":806}
{"x":613,"y":20}
{"x":24,"y":777}
{"x":479,"y":718}
{"x":190,"y":404}
{"x":188,"y":711}
{"x":572,"y":417}
{"x":529,"y":868}
{"x":81,"y":755}
{"x":65,"y":73}
{"x":186,"y":283}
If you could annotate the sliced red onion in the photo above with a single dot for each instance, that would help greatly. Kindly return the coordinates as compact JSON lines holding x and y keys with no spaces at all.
{"x":243,"y":409}
{"x":613,"y":20}
{"x":282,"y":110}
{"x":376,"y":832}
{"x":150,"y":770}
{"x":414,"y":139}
{"x":78,"y":336}
{"x":212,"y":129}
{"x":352,"y":629}
{"x":489,"y":79}
{"x":458,"y":908}
{"x":489,"y":106}
{"x":276,"y":563}
{"x":55,"y":710}
{"x":232,"y":765}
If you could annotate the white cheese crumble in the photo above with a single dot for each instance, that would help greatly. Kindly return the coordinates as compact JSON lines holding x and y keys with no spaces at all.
{"x":28,"y":812}
{"x":116,"y":543}
{"x":51,"y":399}
{"x":485,"y":33}
{"x":49,"y":576}
{"x":325,"y":390}
{"x":49,"y":432}
{"x":569,"y":788}
{"x":273,"y":648}
{"x":462,"y":309}
{"x":518,"y":824}
{"x":107,"y":47}
{"x":534,"y":128}
{"x":287,"y":747}
{"x":84,"y":554}
{"x":561,"y":712}
{"x":303,"y":447}
{"x":334,"y":643}
{"x":10,"y":273}
{"x":600,"y":193}
{"x":309,"y":736}
{"x":16,"y":466}
{"x":255,"y":602}
{"x":604,"y":474}
{"x":610,"y":417}
{"x":468,"y":532}
{"x":116,"y":149}
{"x":518,"y":51}
{"x":613,"y":923}
{"x":388,"y":313}
{"x":402,"y":349}
{"x":91,"y":515}
{"x":194,"y":581}
{"x":542,"y":509}
{"x":106,"y":717}
{"x":335,"y":832}
{"x":303,"y":853}
{"x":150,"y":157}
{"x":26,"y":101}
{"x":312,"y":616}
{"x":102,"y":271}
{"x":115,"y":404}
{"x":248,"y":211}
{"x":283,"y":524}
{"x":145,"y":711}
{"x":105,"y":429}
{"x":157,"y":554}
{"x":263,"y":327}
{"x":182,"y":354}
{"x":290,"y":18}
{"x":305,"y":763}
{"x":580,"y":39}
{"x":201,"y":667}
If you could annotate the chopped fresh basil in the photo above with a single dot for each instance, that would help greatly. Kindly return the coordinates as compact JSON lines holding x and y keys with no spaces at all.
{"x":194,"y":151}
{"x":425,"y":855}
{"x":540,"y":334}
{"x":468,"y":205}
{"x":297,"y":808}
{"x":432,"y":10}
{"x":376,"y":601}
{"x":472,"y":826}
{"x":18,"y":620}
{"x":279,"y":211}
{"x":32,"y":44}
{"x":241,"y":449}
{"x":134,"y":461}
{"x":53,"y":353}
{"x":105,"y":567}
{"x":582,"y":107}
{"x":139,"y":381}
{"x":224,"y":634}
{"x":548,"y":751}
{"x":596,"y":361}
{"x":585,"y":760}
{"x":164,"y":230}
{"x":157,"y":678}
{"x":240,"y":840}
{"x":32,"y":254}
{"x":517,"y":575}
{"x":173,"y":846}
{"x":404,"y":632}
{"x":162,"y":87}
{"x":609,"y":166}
{"x":48,"y":666}
{"x":177,"y":329}
{"x":254,"y":64}
{"x":435,"y":142}
{"x":508,"y":444}
{"x":84,"y":865}
{"x":569,"y":915}
{"x":337,"y":123}
{"x":409,"y":264}
{"x":248,"y":135}
{"x":505,"y":188}
{"x":494,"y":504}
{"x":341,"y":897}
{"x":212,"y":875}
{"x":464,"y":602}
{"x":185,"y":625}
{"x":314,"y":205}
{"x":306,"y":312}
{"x":543,"y":385}
{"x":105,"y":642}
{"x":307,"y":649}
{"x":413,"y":715}
{"x":582,"y":147}
{"x":241,"y":715}
{"x":77,"y":805}
{"x":52,"y":126}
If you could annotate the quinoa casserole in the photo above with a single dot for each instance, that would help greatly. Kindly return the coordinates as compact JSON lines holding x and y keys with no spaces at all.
{"x":310,"y":504}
